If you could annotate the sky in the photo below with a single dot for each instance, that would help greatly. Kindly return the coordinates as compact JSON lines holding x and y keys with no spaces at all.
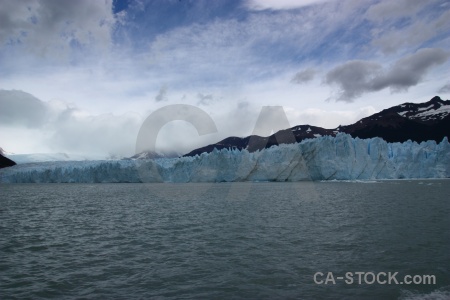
{"x":80,"y":77}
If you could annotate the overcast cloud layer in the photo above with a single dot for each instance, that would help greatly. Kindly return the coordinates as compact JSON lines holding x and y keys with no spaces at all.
{"x":81,"y":76}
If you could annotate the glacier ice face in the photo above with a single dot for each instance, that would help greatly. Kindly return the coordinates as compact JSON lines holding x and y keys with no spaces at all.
{"x":324,"y":158}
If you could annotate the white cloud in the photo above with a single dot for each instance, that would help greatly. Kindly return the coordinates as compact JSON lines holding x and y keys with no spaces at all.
{"x":101,"y":134}
{"x":393,"y":39}
{"x":64,"y":128}
{"x":230,"y":66}
{"x":69,"y":129}
{"x":234,"y":52}
{"x":22,"y":109}
{"x":328,"y":119}
{"x":280,"y":4}
{"x":387,"y":10}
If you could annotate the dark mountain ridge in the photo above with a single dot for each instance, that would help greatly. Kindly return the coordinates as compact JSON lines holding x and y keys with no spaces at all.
{"x":408,"y":121}
{"x":5,"y":162}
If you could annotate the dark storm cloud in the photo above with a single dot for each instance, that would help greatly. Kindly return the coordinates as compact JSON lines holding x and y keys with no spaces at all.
{"x":355,"y":78}
{"x":304,"y":76}
{"x":410,"y":70}
{"x":23,"y":109}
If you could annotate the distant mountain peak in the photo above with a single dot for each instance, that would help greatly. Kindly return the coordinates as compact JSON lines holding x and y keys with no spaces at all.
{"x":435,"y":99}
{"x":408,"y":121}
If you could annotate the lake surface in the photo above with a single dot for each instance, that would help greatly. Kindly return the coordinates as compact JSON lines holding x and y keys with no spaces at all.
{"x":223,"y":240}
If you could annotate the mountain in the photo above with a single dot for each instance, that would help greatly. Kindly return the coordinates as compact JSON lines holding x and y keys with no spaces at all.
{"x":409,"y":121}
{"x":5,"y":162}
{"x":154,"y":155}
{"x":324,"y":158}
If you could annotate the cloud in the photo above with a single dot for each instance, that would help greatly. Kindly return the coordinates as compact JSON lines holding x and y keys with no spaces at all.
{"x":162,"y":94}
{"x":26,"y":121}
{"x":257,"y":45}
{"x":231,"y":51}
{"x":304,"y":76}
{"x":204,"y":99}
{"x":69,"y":129}
{"x":56,"y":29}
{"x":386,"y":10}
{"x":22,"y":109}
{"x":355,"y":78}
{"x":280,"y":4}
{"x":410,"y":70}
{"x":328,"y":118}
{"x":407,"y":24}
{"x":220,"y":52}
{"x":445,"y":89}
{"x":416,"y":33}
{"x":104,"y":134}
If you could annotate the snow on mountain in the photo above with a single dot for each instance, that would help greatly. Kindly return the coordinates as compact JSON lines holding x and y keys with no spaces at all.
{"x":154,"y":155}
{"x":323,"y":158}
{"x":441,"y":112}
{"x":409,"y":121}
{"x":428,"y":112}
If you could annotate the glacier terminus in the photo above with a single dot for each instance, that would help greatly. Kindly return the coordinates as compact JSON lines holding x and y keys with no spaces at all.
{"x":324,"y":158}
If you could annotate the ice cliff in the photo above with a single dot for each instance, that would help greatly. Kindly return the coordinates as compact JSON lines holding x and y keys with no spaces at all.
{"x":325,"y":158}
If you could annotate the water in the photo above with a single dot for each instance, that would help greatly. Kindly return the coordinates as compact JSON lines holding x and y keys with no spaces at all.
{"x":222,"y":241}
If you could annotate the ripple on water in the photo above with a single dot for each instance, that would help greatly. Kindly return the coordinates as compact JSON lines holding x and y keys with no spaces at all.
{"x":207,"y":241}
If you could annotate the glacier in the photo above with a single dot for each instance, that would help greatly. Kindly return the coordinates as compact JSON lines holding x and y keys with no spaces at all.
{"x":43,"y":157}
{"x":323,"y":158}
